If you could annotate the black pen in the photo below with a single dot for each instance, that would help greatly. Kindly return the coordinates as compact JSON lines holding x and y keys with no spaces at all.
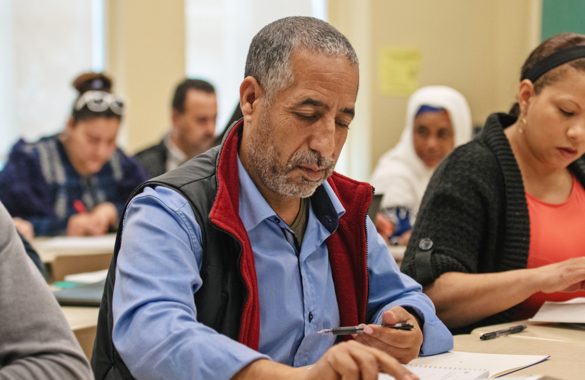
{"x":350,"y":330}
{"x":510,"y":330}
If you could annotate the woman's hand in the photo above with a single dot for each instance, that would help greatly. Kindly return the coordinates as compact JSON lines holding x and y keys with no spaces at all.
{"x":564,"y":276}
{"x":95,"y":223}
{"x":384,"y":226}
{"x":24,"y":227}
{"x":105,"y":214}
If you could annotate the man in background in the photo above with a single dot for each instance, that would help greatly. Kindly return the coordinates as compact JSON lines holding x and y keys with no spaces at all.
{"x":194,"y":114}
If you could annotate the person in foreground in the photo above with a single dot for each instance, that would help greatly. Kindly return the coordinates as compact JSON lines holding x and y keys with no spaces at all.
{"x":36,"y":341}
{"x":230,"y":265}
{"x":437,"y":120}
{"x":75,"y":182}
{"x":194,"y":114}
{"x":500,"y":228}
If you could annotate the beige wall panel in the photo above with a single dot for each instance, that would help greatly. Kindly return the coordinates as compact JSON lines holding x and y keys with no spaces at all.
{"x":146,"y":56}
{"x":473,"y":46}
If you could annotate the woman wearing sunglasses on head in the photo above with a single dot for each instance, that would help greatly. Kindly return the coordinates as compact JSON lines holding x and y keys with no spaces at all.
{"x":75,"y":182}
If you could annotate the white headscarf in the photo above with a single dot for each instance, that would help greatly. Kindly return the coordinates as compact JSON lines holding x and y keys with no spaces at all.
{"x":401,"y":175}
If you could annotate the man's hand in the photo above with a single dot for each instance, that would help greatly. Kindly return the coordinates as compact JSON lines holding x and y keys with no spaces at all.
{"x":401,"y":344}
{"x":352,"y":360}
{"x":345,"y":361}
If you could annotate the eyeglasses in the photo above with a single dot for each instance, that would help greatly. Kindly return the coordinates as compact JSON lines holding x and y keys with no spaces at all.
{"x":100,"y":101}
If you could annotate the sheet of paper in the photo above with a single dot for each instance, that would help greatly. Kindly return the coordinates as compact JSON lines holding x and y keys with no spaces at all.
{"x":88,"y":277}
{"x":572,"y":311}
{"x":398,"y":70}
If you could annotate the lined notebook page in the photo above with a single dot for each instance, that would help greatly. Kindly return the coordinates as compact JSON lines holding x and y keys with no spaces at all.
{"x":437,"y":373}
{"x":486,"y":365}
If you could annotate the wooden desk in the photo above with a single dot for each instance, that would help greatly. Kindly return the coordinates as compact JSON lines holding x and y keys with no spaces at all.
{"x":540,"y":331}
{"x":64,"y":255}
{"x":49,"y":248}
{"x":566,"y":348}
{"x":83,"y":322}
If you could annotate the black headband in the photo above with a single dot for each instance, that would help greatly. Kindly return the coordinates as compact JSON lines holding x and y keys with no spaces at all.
{"x":555,"y":59}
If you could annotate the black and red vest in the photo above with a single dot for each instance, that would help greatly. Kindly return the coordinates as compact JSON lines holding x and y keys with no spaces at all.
{"x":228,"y":299}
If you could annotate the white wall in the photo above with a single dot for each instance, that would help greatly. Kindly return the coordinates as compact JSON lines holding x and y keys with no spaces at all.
{"x":43,"y":45}
{"x":219,"y":34}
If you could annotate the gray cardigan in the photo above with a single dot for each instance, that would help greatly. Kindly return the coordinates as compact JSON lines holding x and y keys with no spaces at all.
{"x":35,"y":339}
{"x":475,"y":213}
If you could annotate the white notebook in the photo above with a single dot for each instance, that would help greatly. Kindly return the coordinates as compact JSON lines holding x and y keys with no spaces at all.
{"x":468,"y":365}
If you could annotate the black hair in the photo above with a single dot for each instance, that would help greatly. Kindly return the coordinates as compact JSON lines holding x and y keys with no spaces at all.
{"x":184,"y":86}
{"x":545,"y":49}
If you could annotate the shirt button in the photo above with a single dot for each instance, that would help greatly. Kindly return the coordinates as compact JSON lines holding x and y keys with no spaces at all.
{"x":310,"y":316}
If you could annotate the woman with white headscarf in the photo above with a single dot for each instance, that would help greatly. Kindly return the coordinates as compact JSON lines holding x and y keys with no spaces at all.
{"x":437,"y":120}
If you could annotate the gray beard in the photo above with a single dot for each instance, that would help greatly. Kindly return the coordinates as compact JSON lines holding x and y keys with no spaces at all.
{"x":264,"y":159}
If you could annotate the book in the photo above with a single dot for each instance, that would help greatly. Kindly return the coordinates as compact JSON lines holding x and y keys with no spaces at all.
{"x":80,"y":294}
{"x":468,"y":365}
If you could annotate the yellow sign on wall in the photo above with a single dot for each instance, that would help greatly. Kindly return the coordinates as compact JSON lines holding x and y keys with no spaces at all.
{"x":398,"y":70}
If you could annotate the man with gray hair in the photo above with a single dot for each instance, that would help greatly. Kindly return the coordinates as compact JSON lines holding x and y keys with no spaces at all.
{"x":239,"y":263}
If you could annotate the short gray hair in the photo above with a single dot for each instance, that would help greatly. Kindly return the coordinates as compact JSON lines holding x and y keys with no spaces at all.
{"x":269,"y":56}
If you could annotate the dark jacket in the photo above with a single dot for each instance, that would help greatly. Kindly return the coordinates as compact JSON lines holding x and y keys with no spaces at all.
{"x":228,"y":300}
{"x":475,"y":213}
{"x":153,"y":159}
{"x":40,"y":184}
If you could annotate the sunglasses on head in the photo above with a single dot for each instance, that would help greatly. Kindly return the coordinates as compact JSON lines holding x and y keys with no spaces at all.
{"x":100,"y":101}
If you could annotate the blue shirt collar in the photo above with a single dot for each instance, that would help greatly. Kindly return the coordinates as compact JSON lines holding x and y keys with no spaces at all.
{"x":254,"y":209}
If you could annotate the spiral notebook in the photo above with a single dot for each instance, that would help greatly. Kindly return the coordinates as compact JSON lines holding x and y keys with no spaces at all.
{"x":457,"y":365}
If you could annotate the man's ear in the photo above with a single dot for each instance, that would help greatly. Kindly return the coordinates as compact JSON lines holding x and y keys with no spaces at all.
{"x":174,"y":116}
{"x":250,"y":93}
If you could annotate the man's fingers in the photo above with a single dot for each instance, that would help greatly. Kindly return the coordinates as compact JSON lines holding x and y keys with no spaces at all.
{"x":391,"y":366}
{"x":367,"y":363}
{"x":402,"y":354}
{"x":352,"y":360}
{"x":342,"y":362}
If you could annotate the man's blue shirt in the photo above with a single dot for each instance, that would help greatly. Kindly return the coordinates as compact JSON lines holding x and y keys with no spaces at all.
{"x":156,"y":330}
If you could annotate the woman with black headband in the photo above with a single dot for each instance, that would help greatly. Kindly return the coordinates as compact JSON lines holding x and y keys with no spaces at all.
{"x":500,"y":228}
{"x":75,"y":182}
